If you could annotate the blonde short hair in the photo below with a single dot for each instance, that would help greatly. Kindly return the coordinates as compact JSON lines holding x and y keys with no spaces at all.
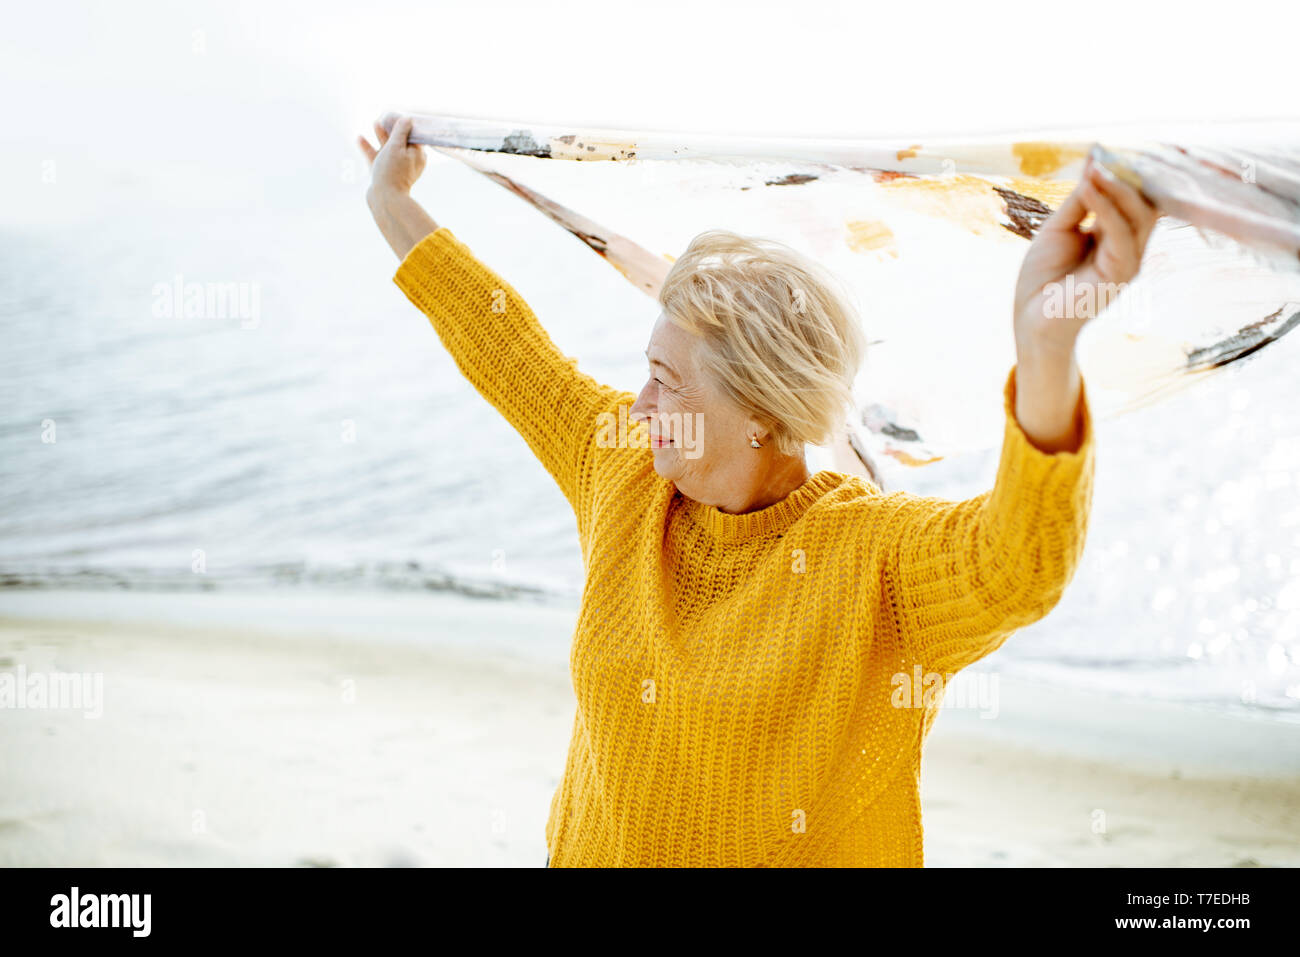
{"x":780,"y":336}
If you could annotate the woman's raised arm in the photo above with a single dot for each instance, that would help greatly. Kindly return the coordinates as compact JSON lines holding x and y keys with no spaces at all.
{"x":394,"y":168}
{"x":961,"y":576}
{"x":490,"y":331}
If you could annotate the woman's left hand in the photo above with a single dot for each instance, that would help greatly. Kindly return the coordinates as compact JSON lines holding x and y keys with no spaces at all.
{"x":1050,"y":307}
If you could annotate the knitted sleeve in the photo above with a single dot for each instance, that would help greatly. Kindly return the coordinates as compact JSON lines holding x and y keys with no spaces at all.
{"x":502,"y":349}
{"x":962,"y":576}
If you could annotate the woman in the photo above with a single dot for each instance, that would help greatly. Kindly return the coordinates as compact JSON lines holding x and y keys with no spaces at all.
{"x":749,"y":633}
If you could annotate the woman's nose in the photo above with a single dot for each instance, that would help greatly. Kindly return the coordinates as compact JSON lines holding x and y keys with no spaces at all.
{"x":642,"y":409}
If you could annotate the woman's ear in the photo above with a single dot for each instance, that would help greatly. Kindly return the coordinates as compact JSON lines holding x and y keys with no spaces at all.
{"x":757,"y":430}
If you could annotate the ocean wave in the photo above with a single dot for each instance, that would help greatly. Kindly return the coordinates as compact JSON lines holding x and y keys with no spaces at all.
{"x":378,"y":576}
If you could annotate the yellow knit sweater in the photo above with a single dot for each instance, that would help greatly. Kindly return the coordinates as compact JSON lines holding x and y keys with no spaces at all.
{"x":738,"y":676}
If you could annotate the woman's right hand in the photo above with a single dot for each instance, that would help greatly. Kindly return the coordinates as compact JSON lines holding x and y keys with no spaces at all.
{"x":394,"y":168}
{"x":397,"y":164}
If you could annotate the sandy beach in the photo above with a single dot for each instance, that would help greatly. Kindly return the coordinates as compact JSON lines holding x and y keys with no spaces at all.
{"x":391,"y":729}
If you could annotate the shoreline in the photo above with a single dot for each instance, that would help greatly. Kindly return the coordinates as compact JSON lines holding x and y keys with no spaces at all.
{"x":283,"y":728}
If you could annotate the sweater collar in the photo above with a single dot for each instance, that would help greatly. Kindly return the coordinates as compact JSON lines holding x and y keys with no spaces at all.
{"x":771,"y":520}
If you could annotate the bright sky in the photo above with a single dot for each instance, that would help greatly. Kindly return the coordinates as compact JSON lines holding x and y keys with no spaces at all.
{"x":107,"y":85}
